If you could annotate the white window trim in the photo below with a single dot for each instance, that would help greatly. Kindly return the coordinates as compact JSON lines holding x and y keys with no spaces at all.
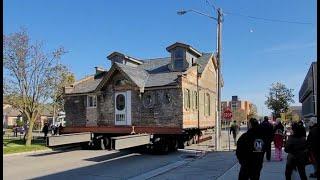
{"x":94,"y":98}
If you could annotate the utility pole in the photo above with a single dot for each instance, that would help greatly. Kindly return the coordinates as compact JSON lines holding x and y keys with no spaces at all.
{"x":218,"y":121}
{"x":198,"y":95}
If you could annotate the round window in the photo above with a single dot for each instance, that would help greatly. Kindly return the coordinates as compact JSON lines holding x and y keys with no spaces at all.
{"x":120,"y":102}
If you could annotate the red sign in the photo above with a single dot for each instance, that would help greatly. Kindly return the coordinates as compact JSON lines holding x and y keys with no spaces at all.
{"x":227,"y":114}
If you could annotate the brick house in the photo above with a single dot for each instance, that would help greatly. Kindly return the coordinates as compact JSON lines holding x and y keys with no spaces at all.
{"x":160,"y":92}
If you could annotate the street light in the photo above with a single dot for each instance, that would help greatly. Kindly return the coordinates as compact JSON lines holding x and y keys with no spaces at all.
{"x":182,"y":12}
{"x":219,"y":20}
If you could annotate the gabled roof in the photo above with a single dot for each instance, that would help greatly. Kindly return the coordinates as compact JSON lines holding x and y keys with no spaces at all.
{"x":150,"y":73}
{"x":136,"y":74}
{"x":85,"y":85}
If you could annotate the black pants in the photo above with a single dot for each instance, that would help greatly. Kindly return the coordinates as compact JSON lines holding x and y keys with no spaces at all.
{"x":268,"y":150}
{"x":301,"y":170}
{"x":251,"y":172}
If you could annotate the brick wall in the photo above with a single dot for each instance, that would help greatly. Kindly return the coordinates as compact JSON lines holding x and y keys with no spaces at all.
{"x":207,"y":85}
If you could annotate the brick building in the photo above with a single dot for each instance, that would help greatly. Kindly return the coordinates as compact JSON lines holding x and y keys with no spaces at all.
{"x":161,"y":92}
{"x":240,"y":108}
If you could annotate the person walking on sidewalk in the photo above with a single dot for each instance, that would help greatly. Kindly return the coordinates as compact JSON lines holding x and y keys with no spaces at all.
{"x":296,"y":147}
{"x":314,"y":147}
{"x":45,"y":130}
{"x":250,"y":151}
{"x":267,"y":129}
{"x":234,"y":130}
{"x":278,"y":139}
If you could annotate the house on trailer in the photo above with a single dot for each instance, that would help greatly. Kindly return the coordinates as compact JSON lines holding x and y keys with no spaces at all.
{"x":161,"y":95}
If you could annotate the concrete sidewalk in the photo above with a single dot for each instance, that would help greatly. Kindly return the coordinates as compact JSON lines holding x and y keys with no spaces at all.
{"x":271,"y":170}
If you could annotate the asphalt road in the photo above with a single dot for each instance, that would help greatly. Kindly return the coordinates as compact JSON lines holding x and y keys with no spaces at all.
{"x":88,"y":164}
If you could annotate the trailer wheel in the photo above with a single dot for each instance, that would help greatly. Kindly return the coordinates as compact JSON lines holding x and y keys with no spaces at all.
{"x":85,"y":145}
{"x":173,"y":145}
{"x":102,"y":145}
{"x":181,"y":144}
{"x":165,"y":148}
{"x":107,"y":142}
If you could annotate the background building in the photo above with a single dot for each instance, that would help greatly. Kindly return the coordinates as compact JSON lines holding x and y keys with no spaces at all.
{"x":241,"y":109}
{"x":308,"y":94}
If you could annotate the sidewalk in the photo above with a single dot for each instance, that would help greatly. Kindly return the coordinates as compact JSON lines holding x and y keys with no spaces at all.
{"x":271,"y":170}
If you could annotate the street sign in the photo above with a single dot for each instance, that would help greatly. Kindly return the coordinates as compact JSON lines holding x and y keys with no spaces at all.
{"x":227,"y":114}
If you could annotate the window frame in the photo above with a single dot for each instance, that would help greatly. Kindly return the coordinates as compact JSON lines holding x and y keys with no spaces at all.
{"x":186,"y":99}
{"x":178,"y":59}
{"x":207,"y":104}
{"x":94,"y":101}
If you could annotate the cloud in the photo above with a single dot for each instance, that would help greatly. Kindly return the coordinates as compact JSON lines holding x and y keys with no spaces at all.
{"x":289,"y":47}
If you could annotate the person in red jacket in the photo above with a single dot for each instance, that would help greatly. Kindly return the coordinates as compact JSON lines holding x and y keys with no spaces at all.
{"x":278,"y":139}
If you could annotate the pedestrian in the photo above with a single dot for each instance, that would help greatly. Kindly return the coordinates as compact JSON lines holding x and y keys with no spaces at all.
{"x":15,"y":131}
{"x":60,"y":129}
{"x":278,"y":139}
{"x":302,"y":128}
{"x":314,"y":149}
{"x":297,"y":158}
{"x":234,"y":130}
{"x":250,"y":151}
{"x":267,"y":130}
{"x":45,"y":130}
{"x":25,"y":129}
{"x":55,"y":130}
{"x":52,"y":129}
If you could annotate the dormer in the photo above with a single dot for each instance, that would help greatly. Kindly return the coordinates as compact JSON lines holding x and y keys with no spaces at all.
{"x":183,"y":56}
{"x":124,"y":59}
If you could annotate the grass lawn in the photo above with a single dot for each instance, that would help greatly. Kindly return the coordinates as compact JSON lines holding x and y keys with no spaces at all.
{"x":16,"y":146}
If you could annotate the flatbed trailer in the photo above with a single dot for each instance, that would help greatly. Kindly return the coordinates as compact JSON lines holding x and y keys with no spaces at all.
{"x":162,"y":139}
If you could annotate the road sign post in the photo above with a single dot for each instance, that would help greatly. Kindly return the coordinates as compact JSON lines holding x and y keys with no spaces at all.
{"x":227,"y":114}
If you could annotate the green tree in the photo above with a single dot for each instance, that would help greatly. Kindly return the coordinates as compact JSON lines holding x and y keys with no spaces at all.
{"x":29,"y":75}
{"x":279,"y":99}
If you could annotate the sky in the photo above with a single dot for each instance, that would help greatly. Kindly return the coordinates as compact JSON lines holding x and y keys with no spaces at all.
{"x":255,"y":52}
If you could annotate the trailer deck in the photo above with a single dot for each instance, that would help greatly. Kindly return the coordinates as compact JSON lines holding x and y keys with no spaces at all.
{"x":123,"y":129}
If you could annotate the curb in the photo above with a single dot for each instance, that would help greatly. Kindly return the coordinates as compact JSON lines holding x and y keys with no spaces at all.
{"x":29,"y":152}
{"x":41,"y":151}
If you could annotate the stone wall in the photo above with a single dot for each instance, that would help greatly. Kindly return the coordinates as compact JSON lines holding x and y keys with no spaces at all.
{"x":75,"y":108}
{"x":165,"y":110}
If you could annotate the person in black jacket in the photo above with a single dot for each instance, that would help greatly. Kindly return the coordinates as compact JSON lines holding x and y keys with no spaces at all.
{"x":267,"y":129}
{"x":296,"y":147}
{"x":250,"y":151}
{"x":45,"y":130}
{"x":314,"y":147}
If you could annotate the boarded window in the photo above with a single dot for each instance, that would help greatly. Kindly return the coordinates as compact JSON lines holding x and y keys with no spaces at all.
{"x":207,"y":104}
{"x":91,"y":101}
{"x":187,"y":99}
{"x":194,"y":100}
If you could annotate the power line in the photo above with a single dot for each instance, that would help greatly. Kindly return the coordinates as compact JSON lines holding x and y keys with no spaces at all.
{"x":211,"y":4}
{"x":268,"y":19}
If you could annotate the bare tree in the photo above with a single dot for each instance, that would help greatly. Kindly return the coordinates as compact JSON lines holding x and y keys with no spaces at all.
{"x":64,"y":78}
{"x":252,"y":111}
{"x":29,"y":75}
